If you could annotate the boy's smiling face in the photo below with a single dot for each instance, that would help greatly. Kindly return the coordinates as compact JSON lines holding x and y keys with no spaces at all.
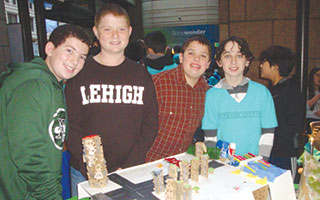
{"x":195,"y":60}
{"x":66,"y":60}
{"x":232,"y":61}
{"x":113,"y":33}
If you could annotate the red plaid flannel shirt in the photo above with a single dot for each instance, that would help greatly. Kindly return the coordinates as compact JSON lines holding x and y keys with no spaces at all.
{"x":181,"y":109}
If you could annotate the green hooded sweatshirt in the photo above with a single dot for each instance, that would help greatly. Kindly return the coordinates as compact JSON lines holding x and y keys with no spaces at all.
{"x":32,"y":132}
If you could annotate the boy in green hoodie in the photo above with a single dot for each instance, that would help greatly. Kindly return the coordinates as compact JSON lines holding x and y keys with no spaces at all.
{"x":32,"y":119}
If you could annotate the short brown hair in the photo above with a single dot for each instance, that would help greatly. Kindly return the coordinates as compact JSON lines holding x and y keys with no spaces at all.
{"x":198,"y":38}
{"x":61,"y":33}
{"x":111,"y":8}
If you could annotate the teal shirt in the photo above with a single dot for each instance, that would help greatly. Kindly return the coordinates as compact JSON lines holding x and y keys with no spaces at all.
{"x":167,"y":67}
{"x":32,"y":132}
{"x":241,"y":122}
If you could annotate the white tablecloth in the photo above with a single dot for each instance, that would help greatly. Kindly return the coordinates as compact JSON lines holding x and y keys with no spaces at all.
{"x":222,"y":184}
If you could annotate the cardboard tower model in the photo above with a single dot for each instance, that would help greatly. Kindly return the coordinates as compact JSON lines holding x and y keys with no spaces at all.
{"x":94,"y":159}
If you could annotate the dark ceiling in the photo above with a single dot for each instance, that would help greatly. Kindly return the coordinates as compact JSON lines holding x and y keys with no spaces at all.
{"x":78,"y":12}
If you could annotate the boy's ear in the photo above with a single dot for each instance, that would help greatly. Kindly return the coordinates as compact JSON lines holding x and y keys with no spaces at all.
{"x":150,"y":51}
{"x":218,"y":63}
{"x":208,"y":65}
{"x":276,"y":67}
{"x":247,"y":63}
{"x":49,"y":48}
{"x":180,"y":57}
{"x":130,"y":30}
{"x":95,"y":31}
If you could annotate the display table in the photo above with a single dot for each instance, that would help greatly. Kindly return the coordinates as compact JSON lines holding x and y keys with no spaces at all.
{"x":136,"y":183}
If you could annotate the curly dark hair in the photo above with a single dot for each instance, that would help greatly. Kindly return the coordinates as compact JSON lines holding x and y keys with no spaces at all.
{"x":244,"y":49}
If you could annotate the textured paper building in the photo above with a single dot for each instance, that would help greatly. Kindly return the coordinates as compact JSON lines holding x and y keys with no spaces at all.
{"x":95,"y":162}
{"x":171,"y":189}
{"x":184,"y":171}
{"x":173,"y":171}
{"x":187,"y":192}
{"x":204,"y":165}
{"x":158,"y":181}
{"x":195,"y":164}
{"x":177,"y":190}
{"x":200,"y":149}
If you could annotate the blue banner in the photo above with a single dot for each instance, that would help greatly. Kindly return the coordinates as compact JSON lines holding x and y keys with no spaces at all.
{"x":178,"y":34}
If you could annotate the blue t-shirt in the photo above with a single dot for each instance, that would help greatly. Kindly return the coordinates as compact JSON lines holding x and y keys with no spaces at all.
{"x":241,"y":122}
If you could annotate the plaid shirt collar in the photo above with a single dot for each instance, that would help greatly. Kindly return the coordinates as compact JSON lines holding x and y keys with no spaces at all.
{"x":181,"y":79}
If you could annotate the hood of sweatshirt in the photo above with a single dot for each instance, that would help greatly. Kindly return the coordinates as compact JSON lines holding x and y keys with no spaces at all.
{"x":35,"y":69}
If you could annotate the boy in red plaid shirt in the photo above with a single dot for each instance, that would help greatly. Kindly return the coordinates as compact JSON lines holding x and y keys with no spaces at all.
{"x":181,"y":96}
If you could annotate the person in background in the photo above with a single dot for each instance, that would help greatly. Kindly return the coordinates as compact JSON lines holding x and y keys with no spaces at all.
{"x":237,"y":109}
{"x":157,"y":58}
{"x":33,"y":117}
{"x":276,"y":64}
{"x":94,"y":48}
{"x":113,"y":97}
{"x":176,"y":52}
{"x":136,"y":51}
{"x":181,"y":94}
{"x":313,"y":97}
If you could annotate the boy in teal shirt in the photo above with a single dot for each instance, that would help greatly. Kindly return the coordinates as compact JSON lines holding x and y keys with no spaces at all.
{"x":238,"y":110}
